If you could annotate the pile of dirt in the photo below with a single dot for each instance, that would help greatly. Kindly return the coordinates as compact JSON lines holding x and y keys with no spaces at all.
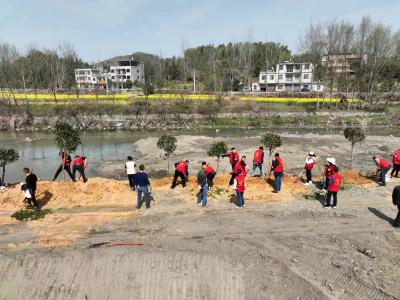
{"x":258,"y":189}
{"x":356,"y":178}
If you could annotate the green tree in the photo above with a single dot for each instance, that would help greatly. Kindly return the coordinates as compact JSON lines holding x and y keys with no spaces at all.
{"x":68,"y":138}
{"x":271,"y":141}
{"x":217,"y":149}
{"x":167,"y":143}
{"x":354,"y":135}
{"x":7,"y":156}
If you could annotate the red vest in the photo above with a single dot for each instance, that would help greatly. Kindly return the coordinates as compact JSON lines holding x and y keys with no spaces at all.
{"x":335,"y":185}
{"x":240,"y":185}
{"x":310,"y":166}
{"x":181,"y":167}
{"x":233,"y":157}
{"x":329,"y":171}
{"x":279,"y":167}
{"x":383,"y":163}
{"x":209,"y":170}
{"x":239,"y":166}
{"x":258,"y":156}
{"x":66,"y":160}
{"x":78,"y":161}
{"x":396,"y":157}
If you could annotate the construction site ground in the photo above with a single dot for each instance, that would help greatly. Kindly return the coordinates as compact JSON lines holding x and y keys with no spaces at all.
{"x":96,"y":245}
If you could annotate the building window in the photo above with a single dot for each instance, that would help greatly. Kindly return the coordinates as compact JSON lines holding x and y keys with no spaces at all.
{"x":296,"y":76}
{"x":263,"y":77}
{"x":280,"y":87}
{"x":112,"y":77}
{"x":280,"y":67}
{"x":128,"y":70}
{"x":280,"y":77}
{"x":289,"y":68}
{"x":112,"y":71}
{"x":137,"y":71}
{"x":306,"y":66}
{"x":297,"y":67}
{"x":128,"y":77}
{"x":271,"y":77}
{"x":306,"y":76}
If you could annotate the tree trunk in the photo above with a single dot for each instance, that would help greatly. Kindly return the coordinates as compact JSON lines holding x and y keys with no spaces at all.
{"x":2,"y":176}
{"x":352,"y":155}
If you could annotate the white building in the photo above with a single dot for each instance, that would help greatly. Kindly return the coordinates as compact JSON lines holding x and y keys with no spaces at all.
{"x":289,"y":76}
{"x":123,"y":71}
{"x":89,"y":78}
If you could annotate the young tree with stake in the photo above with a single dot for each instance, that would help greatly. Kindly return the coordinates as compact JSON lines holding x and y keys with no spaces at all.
{"x":167,"y":143}
{"x":217,"y":149}
{"x":68,"y":138}
{"x":7,"y":156}
{"x":271,"y":141}
{"x":354,"y":135}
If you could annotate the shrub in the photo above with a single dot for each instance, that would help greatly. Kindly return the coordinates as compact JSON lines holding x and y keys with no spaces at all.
{"x":27,"y":214}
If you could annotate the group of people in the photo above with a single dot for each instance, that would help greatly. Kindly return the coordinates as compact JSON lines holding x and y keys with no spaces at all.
{"x":139,"y":180}
{"x":78,"y":164}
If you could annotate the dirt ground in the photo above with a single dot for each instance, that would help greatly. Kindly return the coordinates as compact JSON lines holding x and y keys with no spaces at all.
{"x":96,"y":245}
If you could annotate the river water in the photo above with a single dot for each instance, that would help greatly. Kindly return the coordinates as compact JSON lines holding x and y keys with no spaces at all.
{"x":38,"y":150}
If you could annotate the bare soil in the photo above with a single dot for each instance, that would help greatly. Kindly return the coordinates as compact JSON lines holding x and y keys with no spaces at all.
{"x":280,"y":246}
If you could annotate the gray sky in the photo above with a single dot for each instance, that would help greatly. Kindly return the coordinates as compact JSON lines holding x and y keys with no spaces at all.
{"x":99,"y":29}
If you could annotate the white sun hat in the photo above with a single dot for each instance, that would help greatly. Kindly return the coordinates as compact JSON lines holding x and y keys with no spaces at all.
{"x":331,"y":160}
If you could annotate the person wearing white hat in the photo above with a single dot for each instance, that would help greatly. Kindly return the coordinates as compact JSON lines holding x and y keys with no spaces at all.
{"x":310,"y":162}
{"x":329,"y":169}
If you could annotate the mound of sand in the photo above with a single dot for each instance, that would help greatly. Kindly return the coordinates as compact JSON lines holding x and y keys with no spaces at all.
{"x":354,"y":177}
{"x":108,"y":192}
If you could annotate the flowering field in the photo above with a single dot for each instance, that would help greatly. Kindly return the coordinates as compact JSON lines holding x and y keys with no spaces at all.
{"x":126,"y":98}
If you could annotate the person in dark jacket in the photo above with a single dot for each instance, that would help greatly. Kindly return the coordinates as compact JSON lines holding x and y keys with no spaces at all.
{"x":31,"y":182}
{"x":396,"y":201}
{"x":143,"y":187}
{"x":203,"y":186}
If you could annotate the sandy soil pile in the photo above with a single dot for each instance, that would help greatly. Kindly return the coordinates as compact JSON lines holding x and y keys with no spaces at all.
{"x":355,"y":177}
{"x":109,"y":192}
{"x":258,"y":189}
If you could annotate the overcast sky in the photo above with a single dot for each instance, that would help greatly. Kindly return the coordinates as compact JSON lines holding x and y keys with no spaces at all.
{"x":99,"y":29}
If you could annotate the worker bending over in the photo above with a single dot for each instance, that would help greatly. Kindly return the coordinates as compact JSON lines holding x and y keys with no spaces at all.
{"x":240,"y":165}
{"x":181,"y":169}
{"x":79,"y":164}
{"x":383,"y":166}
{"x":210,"y":173}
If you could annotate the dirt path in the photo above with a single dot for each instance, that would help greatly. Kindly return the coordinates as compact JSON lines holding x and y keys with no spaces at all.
{"x":269,"y":250}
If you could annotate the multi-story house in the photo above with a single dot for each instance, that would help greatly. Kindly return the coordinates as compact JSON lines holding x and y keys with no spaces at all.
{"x":122,"y":71}
{"x":89,"y":78}
{"x":343,"y":63}
{"x":289,"y":76}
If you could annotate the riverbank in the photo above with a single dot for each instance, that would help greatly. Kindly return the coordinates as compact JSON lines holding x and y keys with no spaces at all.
{"x":177,"y":121}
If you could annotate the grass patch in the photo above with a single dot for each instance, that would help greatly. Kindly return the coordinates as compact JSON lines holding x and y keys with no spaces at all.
{"x":311,"y":196}
{"x":29,"y":215}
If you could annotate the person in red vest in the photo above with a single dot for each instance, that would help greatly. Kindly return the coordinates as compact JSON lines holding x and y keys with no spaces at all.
{"x":258,"y":161}
{"x":210,"y":173}
{"x":65,"y":163}
{"x":329,"y":167}
{"x":277,"y":167}
{"x":239,"y":185}
{"x":310,"y":162}
{"x":240,"y":165}
{"x":334,"y":182}
{"x":79,"y":164}
{"x":396,"y":164}
{"x":181,"y":169}
{"x":233,"y":157}
{"x":383,"y":166}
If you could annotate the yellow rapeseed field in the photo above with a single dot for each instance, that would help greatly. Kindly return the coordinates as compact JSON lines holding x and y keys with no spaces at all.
{"x":126,"y":98}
